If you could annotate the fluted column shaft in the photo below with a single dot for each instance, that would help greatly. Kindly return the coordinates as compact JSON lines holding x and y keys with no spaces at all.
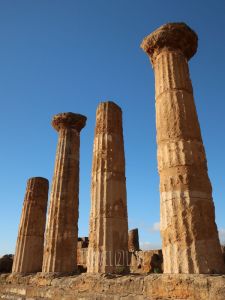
{"x":187,"y":215}
{"x":108,"y":235}
{"x":187,"y":211}
{"x":30,"y":241}
{"x":62,"y":226}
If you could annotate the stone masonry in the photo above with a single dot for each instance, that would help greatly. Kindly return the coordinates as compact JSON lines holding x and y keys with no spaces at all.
{"x":188,"y":228}
{"x":62,"y":228}
{"x":108,"y":235}
{"x":113,"y":287}
{"x":30,"y":241}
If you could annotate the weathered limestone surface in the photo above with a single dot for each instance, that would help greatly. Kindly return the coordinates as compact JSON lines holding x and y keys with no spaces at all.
{"x":188,"y":229}
{"x":82,"y":249}
{"x":133,"y":240}
{"x":83,"y":242}
{"x":108,"y":234}
{"x":112,"y":287}
{"x":30,"y":241}
{"x":82,"y":259}
{"x":146,"y":261}
{"x":140,"y":261}
{"x":62,"y":229}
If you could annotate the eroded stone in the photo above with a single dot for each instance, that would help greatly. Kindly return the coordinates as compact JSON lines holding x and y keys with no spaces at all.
{"x":187,"y":215}
{"x":60,"y":252}
{"x":30,"y":241}
{"x":108,"y":234}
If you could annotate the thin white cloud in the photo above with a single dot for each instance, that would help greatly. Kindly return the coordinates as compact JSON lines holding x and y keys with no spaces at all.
{"x":155,"y":227}
{"x":149,"y":246}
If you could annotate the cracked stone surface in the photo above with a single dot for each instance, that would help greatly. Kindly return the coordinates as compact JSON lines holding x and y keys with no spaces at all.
{"x":113,"y":287}
{"x":60,"y":251}
{"x":187,"y":215}
{"x":30,"y":241}
{"x":108,"y":229}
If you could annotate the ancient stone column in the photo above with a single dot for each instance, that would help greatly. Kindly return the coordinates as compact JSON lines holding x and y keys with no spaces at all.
{"x":62,"y":228}
{"x":108,"y":235}
{"x":30,"y":241}
{"x":133,"y":240}
{"x":188,"y":229}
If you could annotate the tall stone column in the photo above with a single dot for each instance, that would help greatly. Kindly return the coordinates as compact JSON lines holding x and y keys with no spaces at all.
{"x":30,"y":241}
{"x":108,"y":235}
{"x":188,"y":229}
{"x":62,"y":228}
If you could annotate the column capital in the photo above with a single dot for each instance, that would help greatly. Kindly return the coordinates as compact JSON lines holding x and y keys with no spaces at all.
{"x":171,"y":36}
{"x":69,"y":120}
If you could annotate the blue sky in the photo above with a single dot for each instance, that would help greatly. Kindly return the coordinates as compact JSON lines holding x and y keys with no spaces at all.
{"x":68,"y":55}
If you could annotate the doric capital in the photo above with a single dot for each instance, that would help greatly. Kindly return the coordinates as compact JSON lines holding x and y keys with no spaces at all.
{"x":171,"y":36}
{"x":69,"y":120}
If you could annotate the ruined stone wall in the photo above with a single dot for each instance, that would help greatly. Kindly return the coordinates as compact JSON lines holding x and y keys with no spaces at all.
{"x":141,"y":262}
{"x":82,"y":251}
{"x":113,"y":287}
{"x":148,"y":261}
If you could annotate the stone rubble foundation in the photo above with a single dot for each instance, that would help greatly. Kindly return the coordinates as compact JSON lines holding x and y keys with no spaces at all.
{"x":113,"y":287}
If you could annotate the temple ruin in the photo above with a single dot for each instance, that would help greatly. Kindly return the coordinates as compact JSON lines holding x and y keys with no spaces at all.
{"x":190,"y":242}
